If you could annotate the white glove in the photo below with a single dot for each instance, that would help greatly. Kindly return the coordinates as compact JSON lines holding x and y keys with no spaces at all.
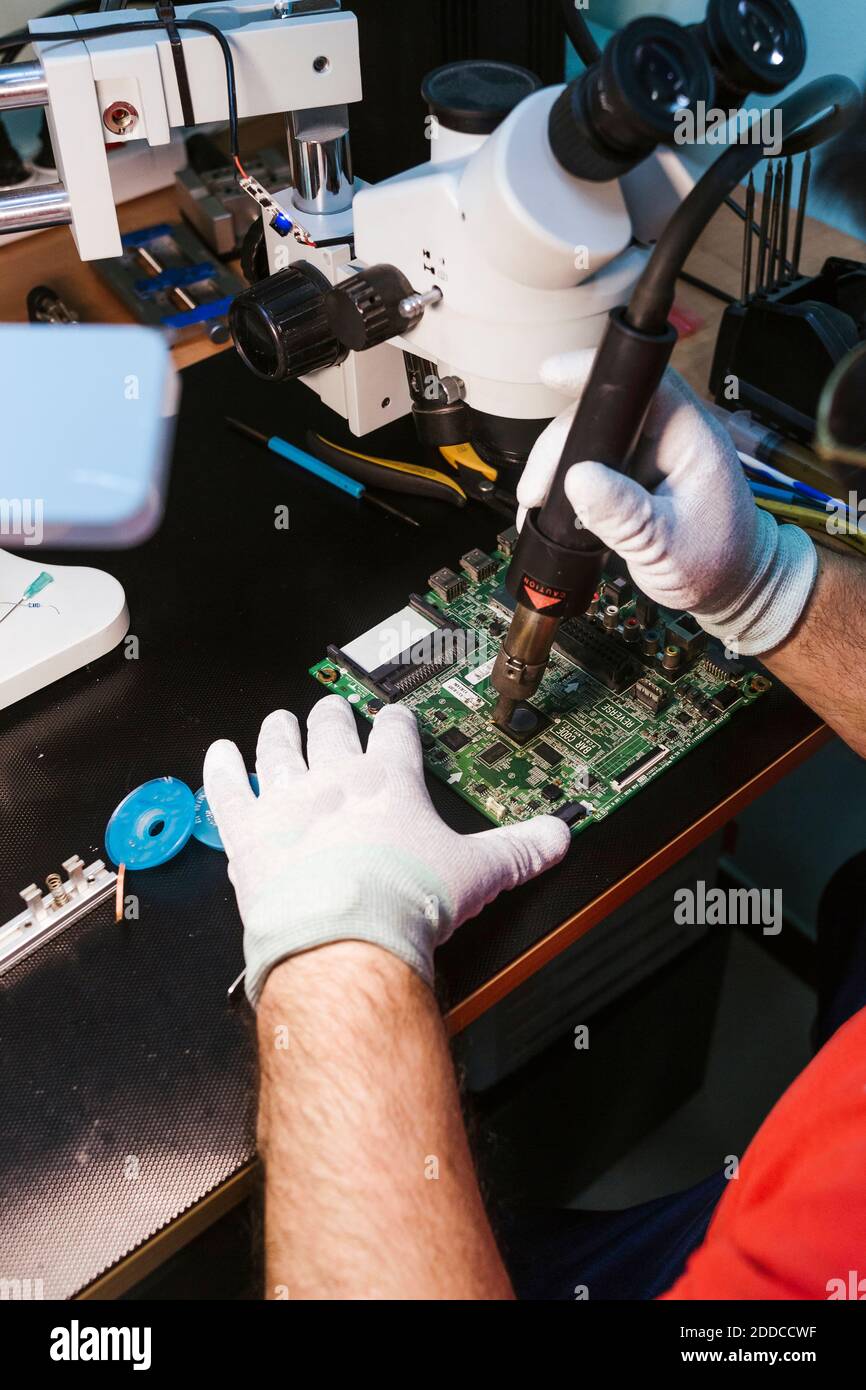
{"x":697,"y":542}
{"x":347,"y":845}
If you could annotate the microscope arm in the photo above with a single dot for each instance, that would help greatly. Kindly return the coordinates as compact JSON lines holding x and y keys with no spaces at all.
{"x":124,"y":85}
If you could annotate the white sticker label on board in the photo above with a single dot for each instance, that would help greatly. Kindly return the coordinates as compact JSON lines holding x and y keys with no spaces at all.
{"x":462,"y":693}
{"x":481,"y":672}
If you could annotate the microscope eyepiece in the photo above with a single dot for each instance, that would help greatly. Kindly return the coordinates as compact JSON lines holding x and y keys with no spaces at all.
{"x":753,"y":46}
{"x":650,"y":78}
{"x":616,"y":112}
{"x":474,"y":95}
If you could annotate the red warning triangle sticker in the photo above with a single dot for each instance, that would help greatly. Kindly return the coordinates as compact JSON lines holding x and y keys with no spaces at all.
{"x":541,"y":600}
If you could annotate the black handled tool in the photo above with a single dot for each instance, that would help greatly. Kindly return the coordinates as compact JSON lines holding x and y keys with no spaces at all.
{"x":392,"y":475}
{"x":556,"y":565}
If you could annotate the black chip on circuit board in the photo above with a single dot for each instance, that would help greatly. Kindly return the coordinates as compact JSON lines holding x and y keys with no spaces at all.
{"x":493,"y":754}
{"x":547,"y":753}
{"x":725,"y":698}
{"x":454,"y":738}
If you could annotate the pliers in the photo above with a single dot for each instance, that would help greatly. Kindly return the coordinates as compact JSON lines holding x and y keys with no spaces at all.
{"x":474,"y":478}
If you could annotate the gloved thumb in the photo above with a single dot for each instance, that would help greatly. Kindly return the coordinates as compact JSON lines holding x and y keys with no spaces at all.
{"x":520,"y":852}
{"x":614,"y":507}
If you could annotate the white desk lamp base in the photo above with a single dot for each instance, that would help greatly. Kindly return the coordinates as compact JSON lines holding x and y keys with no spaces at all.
{"x":78,"y":618}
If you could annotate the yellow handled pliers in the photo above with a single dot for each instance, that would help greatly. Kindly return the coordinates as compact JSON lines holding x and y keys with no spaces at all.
{"x":392,"y":475}
{"x":474,"y":477}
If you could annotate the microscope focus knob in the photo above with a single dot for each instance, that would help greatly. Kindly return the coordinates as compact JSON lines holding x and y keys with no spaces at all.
{"x":371,"y":307}
{"x":280,"y":327}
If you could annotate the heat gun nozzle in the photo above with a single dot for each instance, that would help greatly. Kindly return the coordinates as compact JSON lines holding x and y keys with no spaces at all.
{"x":521,"y":661}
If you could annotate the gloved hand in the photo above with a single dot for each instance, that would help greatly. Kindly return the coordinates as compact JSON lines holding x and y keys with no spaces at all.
{"x":347,"y":846}
{"x":697,"y":542}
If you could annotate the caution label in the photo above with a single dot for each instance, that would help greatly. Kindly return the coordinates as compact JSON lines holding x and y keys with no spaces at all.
{"x":542,"y":596}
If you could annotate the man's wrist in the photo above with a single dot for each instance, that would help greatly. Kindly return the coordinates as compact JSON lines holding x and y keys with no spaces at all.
{"x":326,"y":938}
{"x":335,"y":966}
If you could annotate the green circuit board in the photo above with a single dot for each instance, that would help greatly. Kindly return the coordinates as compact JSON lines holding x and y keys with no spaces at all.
{"x":613,"y":715}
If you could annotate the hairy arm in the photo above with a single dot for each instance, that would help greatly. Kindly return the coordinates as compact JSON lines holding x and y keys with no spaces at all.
{"x":370,"y":1188}
{"x":822,"y":660}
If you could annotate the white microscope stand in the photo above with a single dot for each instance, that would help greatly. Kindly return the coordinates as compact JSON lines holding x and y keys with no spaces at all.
{"x":78,"y":618}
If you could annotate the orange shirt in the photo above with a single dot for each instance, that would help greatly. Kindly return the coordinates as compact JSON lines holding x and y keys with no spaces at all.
{"x":793,"y":1224}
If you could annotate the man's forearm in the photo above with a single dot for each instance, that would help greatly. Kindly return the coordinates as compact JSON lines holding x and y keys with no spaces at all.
{"x":822,"y":660}
{"x":370,"y":1188}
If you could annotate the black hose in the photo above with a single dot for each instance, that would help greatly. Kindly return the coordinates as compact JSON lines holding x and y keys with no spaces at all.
{"x":578,"y":32}
{"x":654,"y":293}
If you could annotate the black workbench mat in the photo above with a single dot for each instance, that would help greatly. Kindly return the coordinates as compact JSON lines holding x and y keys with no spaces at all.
{"x":126,"y":1081}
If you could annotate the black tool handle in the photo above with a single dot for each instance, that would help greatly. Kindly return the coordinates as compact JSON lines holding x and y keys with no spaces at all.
{"x":625,"y":376}
{"x":378,"y":476}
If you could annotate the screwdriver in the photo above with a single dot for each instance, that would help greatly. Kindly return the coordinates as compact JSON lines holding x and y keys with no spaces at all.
{"x":318,"y":468}
{"x":35,"y":587}
{"x":805,"y":175}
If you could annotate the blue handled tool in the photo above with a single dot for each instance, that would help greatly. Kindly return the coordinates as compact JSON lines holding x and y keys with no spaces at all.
{"x":792,"y":497}
{"x":319,"y":469}
{"x":771,"y":477}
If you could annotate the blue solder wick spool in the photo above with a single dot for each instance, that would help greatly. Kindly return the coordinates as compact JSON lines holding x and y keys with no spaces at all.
{"x":152,"y":824}
{"x":205,"y":826}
